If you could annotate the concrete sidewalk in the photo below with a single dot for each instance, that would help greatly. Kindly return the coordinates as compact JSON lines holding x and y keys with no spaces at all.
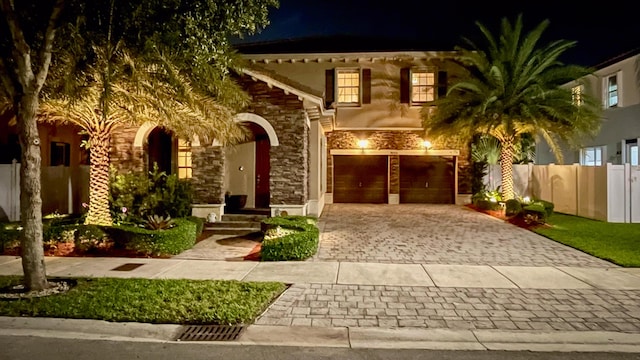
{"x":345,"y":273}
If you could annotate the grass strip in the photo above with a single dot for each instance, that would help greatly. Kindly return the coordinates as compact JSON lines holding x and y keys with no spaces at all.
{"x":160,"y":301}
{"x":615,"y":242}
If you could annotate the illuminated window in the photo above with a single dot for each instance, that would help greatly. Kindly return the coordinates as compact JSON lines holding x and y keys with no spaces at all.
{"x":423,"y":85}
{"x":612,"y":91}
{"x":576,"y":95}
{"x":185,"y":168}
{"x":592,"y":156}
{"x":348,"y":86}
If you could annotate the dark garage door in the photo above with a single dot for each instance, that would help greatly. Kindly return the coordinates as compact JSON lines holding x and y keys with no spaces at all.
{"x":426,"y":179}
{"x":360,"y":179}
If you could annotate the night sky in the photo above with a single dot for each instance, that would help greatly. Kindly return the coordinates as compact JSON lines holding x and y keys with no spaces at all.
{"x":602,"y":32}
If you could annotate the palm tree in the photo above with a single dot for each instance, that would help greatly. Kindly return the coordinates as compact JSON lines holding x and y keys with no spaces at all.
{"x":115,"y":91}
{"x":513,"y":89}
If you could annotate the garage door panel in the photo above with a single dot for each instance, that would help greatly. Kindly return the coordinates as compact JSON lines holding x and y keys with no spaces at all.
{"x":426,"y":179}
{"x":360,"y":179}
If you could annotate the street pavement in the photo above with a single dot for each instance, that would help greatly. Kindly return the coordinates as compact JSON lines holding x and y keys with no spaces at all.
{"x":415,"y":276}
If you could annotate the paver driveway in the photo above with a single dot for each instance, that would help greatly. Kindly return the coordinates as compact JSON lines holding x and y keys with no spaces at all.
{"x":435,"y":234}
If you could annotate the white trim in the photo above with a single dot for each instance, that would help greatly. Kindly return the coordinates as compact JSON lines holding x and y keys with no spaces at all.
{"x":143,"y":133}
{"x":145,"y":129}
{"x":290,"y":209}
{"x":316,"y":100}
{"x":257,"y":119}
{"x":395,"y":152}
{"x":315,"y":207}
{"x":203,"y":210}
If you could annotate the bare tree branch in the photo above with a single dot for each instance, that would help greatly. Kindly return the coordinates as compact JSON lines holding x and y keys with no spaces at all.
{"x":20,"y":50}
{"x":8,"y":82}
{"x":47,"y":46}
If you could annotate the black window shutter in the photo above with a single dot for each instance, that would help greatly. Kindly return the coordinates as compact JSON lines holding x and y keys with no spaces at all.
{"x":404,"y":86}
{"x":329,"y":92}
{"x":442,"y":84}
{"x":366,"y":86}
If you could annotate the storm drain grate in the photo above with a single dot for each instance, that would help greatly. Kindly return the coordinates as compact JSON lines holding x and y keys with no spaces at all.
{"x":211,"y":333}
{"x":127,"y":267}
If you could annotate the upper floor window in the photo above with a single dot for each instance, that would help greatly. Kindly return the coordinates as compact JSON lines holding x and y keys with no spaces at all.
{"x":423,"y":86}
{"x":348,"y":86}
{"x":185,"y":167}
{"x":576,"y":95}
{"x":612,"y":91}
{"x":592,"y":156}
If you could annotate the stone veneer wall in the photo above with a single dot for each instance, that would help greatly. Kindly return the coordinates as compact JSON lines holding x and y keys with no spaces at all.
{"x":124,"y":156}
{"x":289,"y":175}
{"x":396,"y":140}
{"x":208,"y":174}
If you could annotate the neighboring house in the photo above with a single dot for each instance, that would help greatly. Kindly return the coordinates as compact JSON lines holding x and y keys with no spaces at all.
{"x":328,"y":128}
{"x":617,"y":84}
{"x":64,"y":172}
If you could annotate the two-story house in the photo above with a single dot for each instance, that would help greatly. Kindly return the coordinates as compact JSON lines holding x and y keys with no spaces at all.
{"x":617,"y":84}
{"x":328,"y":128}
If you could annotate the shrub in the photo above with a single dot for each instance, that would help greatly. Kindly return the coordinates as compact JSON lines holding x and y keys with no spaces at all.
{"x":142,"y":194}
{"x":298,"y":243}
{"x":155,"y":242}
{"x":534,"y":213}
{"x":487,"y":205}
{"x":199,"y":223}
{"x":513,"y":207}
{"x":9,"y":235}
{"x":90,"y":237}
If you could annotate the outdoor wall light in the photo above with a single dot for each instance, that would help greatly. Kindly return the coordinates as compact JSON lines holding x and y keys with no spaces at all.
{"x":426,"y":144}
{"x":362,"y":144}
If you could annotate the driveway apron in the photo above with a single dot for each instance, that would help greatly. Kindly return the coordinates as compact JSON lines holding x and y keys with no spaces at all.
{"x":436,"y":234}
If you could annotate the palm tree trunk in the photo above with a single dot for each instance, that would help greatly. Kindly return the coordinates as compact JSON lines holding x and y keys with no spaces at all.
{"x":99,"y":213}
{"x":35,"y":277}
{"x":506,"y":168}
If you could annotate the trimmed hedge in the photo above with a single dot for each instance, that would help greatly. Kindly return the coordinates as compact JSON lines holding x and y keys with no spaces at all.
{"x":155,"y":242}
{"x":199,"y":223}
{"x":299,"y":245}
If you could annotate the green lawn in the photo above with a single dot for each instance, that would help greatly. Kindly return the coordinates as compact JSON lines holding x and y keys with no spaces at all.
{"x":150,"y":301}
{"x":616,"y":242}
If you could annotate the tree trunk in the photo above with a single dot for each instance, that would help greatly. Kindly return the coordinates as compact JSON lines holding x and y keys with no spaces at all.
{"x":35,"y":277}
{"x":99,"y":213}
{"x":506,"y":168}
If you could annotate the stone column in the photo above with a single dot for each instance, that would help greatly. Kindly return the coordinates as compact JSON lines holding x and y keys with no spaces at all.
{"x":208,"y":174}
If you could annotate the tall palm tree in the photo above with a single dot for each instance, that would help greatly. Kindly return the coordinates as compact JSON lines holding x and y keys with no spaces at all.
{"x":115,"y":91}
{"x":512,"y":88}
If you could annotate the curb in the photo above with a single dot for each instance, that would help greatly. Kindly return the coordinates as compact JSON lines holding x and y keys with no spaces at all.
{"x":340,"y":337}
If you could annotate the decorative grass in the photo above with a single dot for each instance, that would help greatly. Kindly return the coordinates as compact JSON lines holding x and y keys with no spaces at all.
{"x":158,"y":301}
{"x":615,"y":242}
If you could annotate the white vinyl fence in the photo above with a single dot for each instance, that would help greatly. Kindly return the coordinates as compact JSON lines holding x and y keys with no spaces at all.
{"x":64,"y":189}
{"x":608,"y":193}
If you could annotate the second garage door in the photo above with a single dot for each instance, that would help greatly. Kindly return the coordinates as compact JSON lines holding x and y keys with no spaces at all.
{"x":360,"y":179}
{"x":426,"y":179}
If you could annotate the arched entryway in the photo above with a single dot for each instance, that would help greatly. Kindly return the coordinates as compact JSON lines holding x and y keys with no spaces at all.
{"x":171,"y":154}
{"x":249,"y":164}
{"x":161,"y":146}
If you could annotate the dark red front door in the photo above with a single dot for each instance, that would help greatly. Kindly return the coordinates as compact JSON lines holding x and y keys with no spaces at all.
{"x":262,"y":171}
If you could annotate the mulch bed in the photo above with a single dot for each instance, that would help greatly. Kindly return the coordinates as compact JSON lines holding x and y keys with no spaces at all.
{"x":515,"y":220}
{"x":106,"y":250}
